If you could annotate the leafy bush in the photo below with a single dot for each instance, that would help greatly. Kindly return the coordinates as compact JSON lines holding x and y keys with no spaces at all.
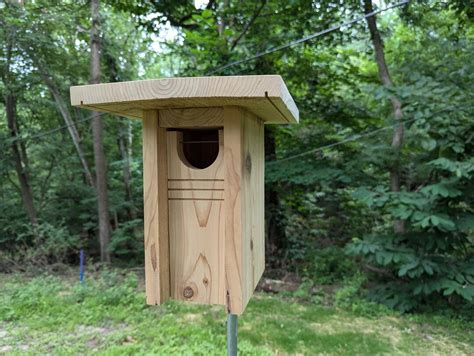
{"x":126,"y":243}
{"x":353,"y":296}
{"x":435,"y":256}
{"x":328,"y":265}
{"x":39,"y":247}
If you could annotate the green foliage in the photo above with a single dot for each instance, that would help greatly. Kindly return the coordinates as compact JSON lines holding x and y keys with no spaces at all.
{"x":127,"y":242}
{"x":38,"y":248}
{"x":328,"y":176}
{"x":352,"y":296}
{"x":328,"y":265}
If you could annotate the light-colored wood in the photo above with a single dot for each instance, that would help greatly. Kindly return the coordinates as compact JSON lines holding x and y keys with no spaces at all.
{"x":196,"y":194}
{"x":155,"y":210}
{"x":204,"y":228}
{"x":197,"y":251}
{"x":266,"y":96}
{"x":195,"y":184}
{"x":244,"y":202}
{"x":196,"y":221}
{"x":253,"y":200}
{"x":233,"y":204}
{"x":195,"y":117}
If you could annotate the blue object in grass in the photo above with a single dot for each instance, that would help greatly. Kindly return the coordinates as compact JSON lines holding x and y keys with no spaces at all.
{"x":81,"y":266}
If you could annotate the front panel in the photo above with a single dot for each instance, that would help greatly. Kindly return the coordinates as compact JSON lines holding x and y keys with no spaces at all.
{"x":196,"y":215}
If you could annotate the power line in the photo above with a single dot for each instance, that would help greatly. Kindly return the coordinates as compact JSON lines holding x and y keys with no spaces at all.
{"x":49,"y":132}
{"x":355,"y":137}
{"x":304,"y":39}
{"x":258,"y":55}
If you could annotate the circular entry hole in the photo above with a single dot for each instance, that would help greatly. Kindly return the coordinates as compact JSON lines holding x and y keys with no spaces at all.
{"x":200,"y":147}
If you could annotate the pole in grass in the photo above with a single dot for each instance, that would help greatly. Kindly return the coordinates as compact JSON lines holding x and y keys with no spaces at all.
{"x":81,"y":266}
{"x":231,"y":335}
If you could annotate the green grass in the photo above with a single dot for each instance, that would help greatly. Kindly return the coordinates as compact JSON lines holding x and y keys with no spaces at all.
{"x":108,"y":315}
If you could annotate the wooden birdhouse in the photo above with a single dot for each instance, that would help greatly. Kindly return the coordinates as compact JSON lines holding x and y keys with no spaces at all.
{"x":203,"y":177}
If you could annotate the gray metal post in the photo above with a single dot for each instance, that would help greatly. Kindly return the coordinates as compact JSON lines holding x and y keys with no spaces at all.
{"x":231,"y":335}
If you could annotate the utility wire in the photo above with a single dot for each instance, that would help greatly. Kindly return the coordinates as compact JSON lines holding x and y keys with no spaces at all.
{"x":258,"y":55}
{"x":304,"y":39}
{"x":49,"y":132}
{"x":356,"y":137}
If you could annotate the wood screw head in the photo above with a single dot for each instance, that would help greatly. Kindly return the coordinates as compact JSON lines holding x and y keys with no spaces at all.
{"x":188,"y":292}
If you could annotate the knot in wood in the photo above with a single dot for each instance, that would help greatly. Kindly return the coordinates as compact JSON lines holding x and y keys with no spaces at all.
{"x":248,"y":163}
{"x":188,"y":292}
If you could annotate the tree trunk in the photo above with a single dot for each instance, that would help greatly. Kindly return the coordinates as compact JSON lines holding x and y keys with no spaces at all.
{"x":384,"y":74}
{"x":123,"y":142}
{"x":99,"y":156}
{"x":221,"y":21}
{"x":20,"y":165}
{"x":71,"y":126}
{"x":18,"y":149}
{"x":124,"y":134}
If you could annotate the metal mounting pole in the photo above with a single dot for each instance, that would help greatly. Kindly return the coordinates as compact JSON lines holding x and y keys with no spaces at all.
{"x":231,"y":335}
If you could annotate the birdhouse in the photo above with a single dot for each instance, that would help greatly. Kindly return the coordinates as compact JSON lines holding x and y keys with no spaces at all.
{"x":203,"y":179}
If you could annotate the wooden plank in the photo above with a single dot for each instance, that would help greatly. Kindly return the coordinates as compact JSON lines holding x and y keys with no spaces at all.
{"x":197,"y":251}
{"x":155,"y":210}
{"x":196,"y":184}
{"x":196,"y":222}
{"x":264,"y":95}
{"x":196,"y":194}
{"x":244,"y":205}
{"x":233,"y":213}
{"x":194,"y":117}
{"x":253,"y":200}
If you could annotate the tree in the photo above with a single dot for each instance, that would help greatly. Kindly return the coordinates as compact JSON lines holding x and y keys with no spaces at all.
{"x":99,"y":155}
{"x":397,"y":139}
{"x":10,"y":100}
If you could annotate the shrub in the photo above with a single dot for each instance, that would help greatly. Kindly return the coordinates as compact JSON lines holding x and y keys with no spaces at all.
{"x":39,"y":247}
{"x":328,"y":265}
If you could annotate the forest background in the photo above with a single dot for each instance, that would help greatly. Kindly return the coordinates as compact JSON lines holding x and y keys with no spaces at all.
{"x":374,"y":189}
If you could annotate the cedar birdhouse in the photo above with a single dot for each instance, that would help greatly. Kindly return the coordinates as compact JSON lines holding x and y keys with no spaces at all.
{"x":203,"y":179}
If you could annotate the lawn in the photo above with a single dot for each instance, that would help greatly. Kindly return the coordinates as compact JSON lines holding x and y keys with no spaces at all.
{"x":108,"y":315}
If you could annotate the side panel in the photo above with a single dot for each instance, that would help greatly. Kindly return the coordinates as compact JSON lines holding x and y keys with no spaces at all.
{"x":244,"y":205}
{"x":155,"y":209}
{"x":233,"y":203}
{"x":253,"y":200}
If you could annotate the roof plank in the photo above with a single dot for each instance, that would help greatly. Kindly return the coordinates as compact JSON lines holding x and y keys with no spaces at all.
{"x":264,"y":95}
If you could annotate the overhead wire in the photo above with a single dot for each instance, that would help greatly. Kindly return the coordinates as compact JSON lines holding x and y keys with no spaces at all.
{"x":306,"y":38}
{"x":359,"y":136}
{"x":49,"y":132}
{"x":258,"y":55}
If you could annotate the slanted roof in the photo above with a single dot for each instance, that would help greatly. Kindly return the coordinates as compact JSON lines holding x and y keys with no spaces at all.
{"x":264,"y":95}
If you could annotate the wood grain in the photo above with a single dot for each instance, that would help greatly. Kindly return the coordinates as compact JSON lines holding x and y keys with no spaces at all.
{"x":194,"y":117}
{"x":196,"y":222}
{"x":233,"y":205}
{"x":264,"y":95}
{"x":197,"y":250}
{"x":211,"y":194}
{"x":155,"y":210}
{"x":244,"y":202}
{"x":253,"y":200}
{"x":196,"y":184}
